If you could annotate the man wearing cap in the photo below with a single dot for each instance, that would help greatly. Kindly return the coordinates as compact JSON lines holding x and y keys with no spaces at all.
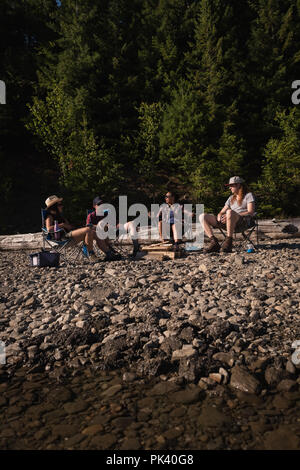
{"x":92,"y":220}
{"x":121,"y":229}
{"x":92,"y":217}
{"x":237,"y":214}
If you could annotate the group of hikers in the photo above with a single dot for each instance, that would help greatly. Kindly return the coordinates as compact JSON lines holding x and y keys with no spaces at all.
{"x":237,"y":214}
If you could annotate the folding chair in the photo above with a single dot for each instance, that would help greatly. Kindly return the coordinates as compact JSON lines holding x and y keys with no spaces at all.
{"x":65,"y":248}
{"x":246,"y":233}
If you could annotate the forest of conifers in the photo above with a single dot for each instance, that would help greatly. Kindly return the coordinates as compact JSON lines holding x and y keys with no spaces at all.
{"x":138,"y":97}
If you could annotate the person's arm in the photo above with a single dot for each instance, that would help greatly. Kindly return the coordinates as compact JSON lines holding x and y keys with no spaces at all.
{"x":66,"y":226}
{"x":250,"y":210}
{"x":221,"y":214}
{"x":185,"y":211}
{"x":49,"y":224}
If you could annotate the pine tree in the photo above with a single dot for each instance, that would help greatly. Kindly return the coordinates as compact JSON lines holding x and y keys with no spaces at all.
{"x":86,"y":89}
{"x":182,"y":137}
{"x":165,"y":38}
{"x":217,"y":62}
{"x":274,"y":62}
{"x":279,"y":185}
{"x":150,"y":117}
{"x":217,"y":74}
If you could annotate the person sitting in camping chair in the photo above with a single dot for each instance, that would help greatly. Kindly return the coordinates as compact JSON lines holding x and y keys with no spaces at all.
{"x":236,"y":216}
{"x":121,"y":229}
{"x":92,"y":220}
{"x":171,"y":213}
{"x":54,"y":213}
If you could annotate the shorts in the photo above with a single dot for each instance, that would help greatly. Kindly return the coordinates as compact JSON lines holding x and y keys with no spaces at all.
{"x":244,"y":223}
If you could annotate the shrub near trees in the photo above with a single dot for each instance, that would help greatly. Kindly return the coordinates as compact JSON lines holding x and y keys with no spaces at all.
{"x":119,"y":97}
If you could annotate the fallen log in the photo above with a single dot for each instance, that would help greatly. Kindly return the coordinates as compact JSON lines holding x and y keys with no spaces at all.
{"x":267,"y":229}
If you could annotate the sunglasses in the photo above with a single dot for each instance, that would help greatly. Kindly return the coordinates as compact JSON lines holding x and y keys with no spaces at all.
{"x":167,"y":197}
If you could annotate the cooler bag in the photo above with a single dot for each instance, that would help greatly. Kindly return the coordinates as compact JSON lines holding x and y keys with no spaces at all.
{"x":44,"y":259}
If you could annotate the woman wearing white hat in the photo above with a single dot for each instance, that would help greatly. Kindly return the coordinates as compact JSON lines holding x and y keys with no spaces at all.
{"x":55,"y":213}
{"x":236,"y":214}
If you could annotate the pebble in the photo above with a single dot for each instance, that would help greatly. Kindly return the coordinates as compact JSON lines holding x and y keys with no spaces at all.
{"x":111,"y":391}
{"x":75,"y":407}
{"x":92,"y":430}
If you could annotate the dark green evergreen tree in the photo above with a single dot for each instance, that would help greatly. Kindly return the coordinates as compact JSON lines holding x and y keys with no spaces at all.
{"x":279,"y":185}
{"x":273,"y":65}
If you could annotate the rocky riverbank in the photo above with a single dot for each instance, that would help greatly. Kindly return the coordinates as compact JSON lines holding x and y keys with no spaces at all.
{"x":192,"y":326}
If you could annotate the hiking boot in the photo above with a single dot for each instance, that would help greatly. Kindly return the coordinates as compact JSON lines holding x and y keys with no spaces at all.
{"x":112,"y":256}
{"x":227,"y":245}
{"x":213,"y":247}
{"x":136,"y":249}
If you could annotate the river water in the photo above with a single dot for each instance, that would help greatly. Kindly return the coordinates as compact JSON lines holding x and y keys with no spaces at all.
{"x":93,"y":409}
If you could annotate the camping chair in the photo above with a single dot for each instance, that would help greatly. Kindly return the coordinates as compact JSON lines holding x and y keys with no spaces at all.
{"x":246,"y":233}
{"x":65,"y":248}
{"x":115,"y":244}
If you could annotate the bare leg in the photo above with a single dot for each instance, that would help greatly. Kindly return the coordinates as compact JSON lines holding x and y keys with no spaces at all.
{"x":175,"y":234}
{"x":232,"y":218}
{"x":102,"y":244}
{"x":131,"y":229}
{"x":160,"y":230}
{"x":208,"y":221}
{"x":86,"y":234}
{"x":161,"y":233}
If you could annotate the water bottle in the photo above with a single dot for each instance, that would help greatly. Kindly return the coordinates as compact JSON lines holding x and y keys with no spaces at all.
{"x":56,"y":230}
{"x":85,"y":251}
{"x":250,"y":248}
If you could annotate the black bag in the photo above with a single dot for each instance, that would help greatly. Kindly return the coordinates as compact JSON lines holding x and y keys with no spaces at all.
{"x":44,"y":259}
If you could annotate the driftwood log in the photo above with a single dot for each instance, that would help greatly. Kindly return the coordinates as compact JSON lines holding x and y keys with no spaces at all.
{"x":267,"y":229}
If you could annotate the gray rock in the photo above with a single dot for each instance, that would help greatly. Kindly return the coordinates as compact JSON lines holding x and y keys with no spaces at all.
{"x":212,"y":417}
{"x":290,"y":367}
{"x":287,"y":385}
{"x":242,"y":380}
{"x":225,"y":358}
{"x":75,"y":407}
{"x":186,"y":396}
{"x":273,"y":375}
{"x":187,"y":352}
{"x":111,"y":391}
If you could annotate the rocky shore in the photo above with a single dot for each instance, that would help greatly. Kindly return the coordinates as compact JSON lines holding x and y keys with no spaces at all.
{"x":189,"y":327}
